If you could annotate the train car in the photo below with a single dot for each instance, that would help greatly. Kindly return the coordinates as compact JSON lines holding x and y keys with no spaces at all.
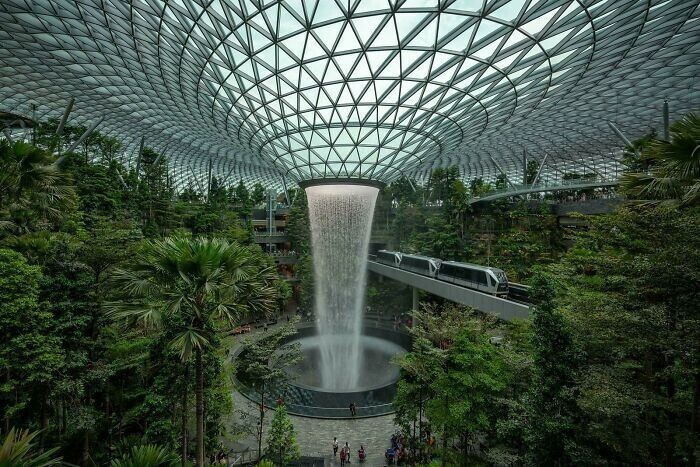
{"x":484,"y":279}
{"x":423,"y":265}
{"x":519,"y":292}
{"x":389,"y":258}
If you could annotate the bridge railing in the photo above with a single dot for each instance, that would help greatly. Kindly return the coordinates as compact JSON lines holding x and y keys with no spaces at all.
{"x":576,"y":183}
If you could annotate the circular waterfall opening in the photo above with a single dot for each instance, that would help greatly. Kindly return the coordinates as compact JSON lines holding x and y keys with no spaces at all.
{"x":306,"y":394}
{"x":377,"y":368}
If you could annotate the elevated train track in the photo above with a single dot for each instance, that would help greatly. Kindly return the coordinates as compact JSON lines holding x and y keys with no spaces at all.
{"x":513,"y":307}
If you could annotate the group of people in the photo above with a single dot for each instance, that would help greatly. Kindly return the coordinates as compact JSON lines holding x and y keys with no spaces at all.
{"x":345,"y":452}
{"x":397,"y":453}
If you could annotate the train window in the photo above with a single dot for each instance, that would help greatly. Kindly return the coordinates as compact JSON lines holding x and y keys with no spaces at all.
{"x":463,"y":274}
{"x":481,"y":277}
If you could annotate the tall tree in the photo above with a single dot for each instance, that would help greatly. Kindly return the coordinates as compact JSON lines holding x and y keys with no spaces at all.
{"x":281,"y":441}
{"x":30,"y":355}
{"x":32,"y":185}
{"x":262,"y":365}
{"x":629,"y":292}
{"x":208,"y":284}
{"x":552,"y":411}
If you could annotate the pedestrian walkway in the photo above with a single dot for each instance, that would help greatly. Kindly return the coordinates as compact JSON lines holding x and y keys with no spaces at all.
{"x":315,"y":436}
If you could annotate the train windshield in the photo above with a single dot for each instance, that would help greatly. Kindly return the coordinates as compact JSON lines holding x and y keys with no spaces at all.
{"x":501,"y":276}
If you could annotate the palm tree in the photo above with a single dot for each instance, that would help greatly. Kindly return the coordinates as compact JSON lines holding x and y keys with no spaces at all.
{"x":148,"y":455}
{"x":16,"y":451}
{"x":208,"y":284}
{"x":673,"y":177}
{"x":31,"y":180}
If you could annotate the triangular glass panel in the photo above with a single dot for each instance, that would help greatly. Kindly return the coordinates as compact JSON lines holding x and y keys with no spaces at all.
{"x":329,"y":33}
{"x":287,"y":23}
{"x":313,"y":49}
{"x":317,"y":68}
{"x":386,"y":38}
{"x":366,"y":26}
{"x":327,"y":10}
{"x":362,"y":69}
{"x":460,"y":42}
{"x":426,"y":37}
{"x":486,"y":28}
{"x":467,"y":5}
{"x":332,"y":73}
{"x":448,"y":23}
{"x":535,"y":26}
{"x":376,"y":58}
{"x":407,"y":22}
{"x":509,"y":11}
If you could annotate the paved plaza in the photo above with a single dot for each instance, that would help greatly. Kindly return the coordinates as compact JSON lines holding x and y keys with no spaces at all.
{"x":315,"y":436}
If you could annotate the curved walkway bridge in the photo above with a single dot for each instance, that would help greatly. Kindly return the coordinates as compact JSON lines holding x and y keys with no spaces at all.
{"x":502,"y":308}
{"x":562,"y":185}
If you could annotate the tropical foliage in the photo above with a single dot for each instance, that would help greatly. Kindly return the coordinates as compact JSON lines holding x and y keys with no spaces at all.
{"x":281,"y":441}
{"x":71,"y":230}
{"x":605,"y":373}
{"x":205,"y":285}
{"x":32,"y":186}
{"x":672,"y":174}
{"x":17,"y":450}
{"x":147,"y":455}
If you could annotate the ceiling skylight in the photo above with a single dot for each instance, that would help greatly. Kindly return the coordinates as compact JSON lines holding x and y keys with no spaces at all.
{"x":355,"y":88}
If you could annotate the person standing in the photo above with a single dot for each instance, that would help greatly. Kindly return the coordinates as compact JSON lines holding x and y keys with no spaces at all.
{"x":335,"y":446}
{"x":342,"y":456}
{"x":347,"y":452}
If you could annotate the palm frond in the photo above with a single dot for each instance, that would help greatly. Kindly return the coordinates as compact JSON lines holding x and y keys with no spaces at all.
{"x":148,"y":455}
{"x":16,"y":450}
{"x":189,"y":340}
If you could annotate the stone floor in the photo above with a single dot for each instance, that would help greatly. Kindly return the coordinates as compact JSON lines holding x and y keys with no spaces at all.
{"x":315,"y":436}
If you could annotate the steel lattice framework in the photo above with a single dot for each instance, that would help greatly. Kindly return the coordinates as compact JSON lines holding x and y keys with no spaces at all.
{"x":356,"y":88}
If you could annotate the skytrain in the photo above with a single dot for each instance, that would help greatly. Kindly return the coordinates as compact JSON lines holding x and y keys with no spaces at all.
{"x":472,"y":276}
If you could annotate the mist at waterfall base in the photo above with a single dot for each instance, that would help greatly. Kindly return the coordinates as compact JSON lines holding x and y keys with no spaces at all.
{"x":340,"y":217}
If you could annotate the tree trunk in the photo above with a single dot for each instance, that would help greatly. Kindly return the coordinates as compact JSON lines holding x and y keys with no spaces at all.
{"x":670,"y":395}
{"x":262,"y":417}
{"x":85,"y":459}
{"x":444,"y":428}
{"x":415,"y":440}
{"x":420,"y":423}
{"x":184,"y":416}
{"x":108,"y":412}
{"x":199,"y":395}
{"x":64,"y":417}
{"x":694,"y":428}
{"x":44,"y":421}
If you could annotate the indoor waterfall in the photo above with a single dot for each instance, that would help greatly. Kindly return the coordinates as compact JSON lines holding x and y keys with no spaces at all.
{"x":341,"y":219}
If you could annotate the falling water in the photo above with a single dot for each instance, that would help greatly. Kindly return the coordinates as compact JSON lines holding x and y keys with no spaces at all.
{"x":341,"y":220}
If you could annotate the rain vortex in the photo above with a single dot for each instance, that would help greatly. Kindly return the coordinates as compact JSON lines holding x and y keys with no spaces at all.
{"x":341,"y":221}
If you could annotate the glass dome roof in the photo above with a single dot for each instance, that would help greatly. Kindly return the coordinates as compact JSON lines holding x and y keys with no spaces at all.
{"x":370,"y":89}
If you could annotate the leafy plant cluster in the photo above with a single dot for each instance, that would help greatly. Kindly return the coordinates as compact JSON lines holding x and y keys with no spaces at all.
{"x":606,"y":372}
{"x":113,"y":310}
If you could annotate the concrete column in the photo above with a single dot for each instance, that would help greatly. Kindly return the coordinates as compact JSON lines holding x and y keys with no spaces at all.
{"x":271,"y":205}
{"x":667,"y":134}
